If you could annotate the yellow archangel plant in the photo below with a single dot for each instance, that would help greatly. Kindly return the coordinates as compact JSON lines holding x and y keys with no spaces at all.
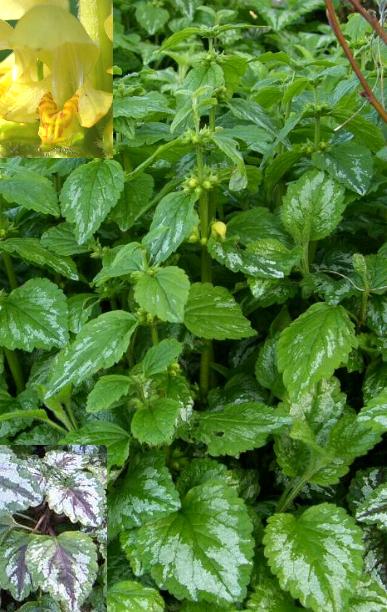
{"x":57,"y":73}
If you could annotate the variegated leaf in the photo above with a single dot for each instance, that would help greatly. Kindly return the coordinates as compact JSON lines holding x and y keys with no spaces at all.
{"x":64,"y":566}
{"x":73,"y":491}
{"x":14,"y":574}
{"x":20,"y":488}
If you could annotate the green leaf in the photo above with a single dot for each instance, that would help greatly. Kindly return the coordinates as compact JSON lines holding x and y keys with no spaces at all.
{"x":202,"y":552}
{"x":257,"y":224}
{"x":211,"y":312}
{"x":64,"y":566}
{"x":134,"y":201}
{"x":116,"y":440}
{"x":349,"y":164}
{"x":158,"y":358}
{"x":373,"y":510}
{"x":138,"y":107}
{"x":133,"y":596}
{"x":229,"y":147}
{"x":145,"y":493}
{"x":267,"y":258}
{"x":155,"y":422}
{"x":369,"y":596}
{"x":312,"y":207}
{"x":33,"y":316}
{"x":14,"y":575}
{"x":89,"y":193}
{"x":253,"y":113}
{"x":325,"y":438}
{"x":152,"y":18}
{"x":31,"y":250}
{"x":314,"y":345}
{"x":100,"y":344}
{"x":267,"y":595}
{"x":107,"y":391}
{"x":374,"y":413}
{"x":120,"y":261}
{"x":316,"y":556}
{"x":173,"y":220}
{"x":81,"y":308}
{"x":60,"y":239}
{"x":180,"y":36}
{"x":30,"y":190}
{"x":237,"y":428}
{"x":163,"y":293}
{"x":20,"y":486}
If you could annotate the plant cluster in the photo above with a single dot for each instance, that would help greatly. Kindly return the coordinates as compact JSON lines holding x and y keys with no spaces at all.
{"x":55,"y":79}
{"x":52,"y":528}
{"x":211,"y":306}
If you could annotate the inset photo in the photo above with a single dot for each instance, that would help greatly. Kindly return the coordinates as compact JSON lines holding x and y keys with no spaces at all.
{"x":56,"y":78}
{"x":52,"y":528}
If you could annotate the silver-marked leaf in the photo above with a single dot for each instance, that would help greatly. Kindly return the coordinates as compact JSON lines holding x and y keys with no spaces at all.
{"x":116,"y":439}
{"x":203,"y":552}
{"x":369,"y":596}
{"x":64,"y":566}
{"x":120,"y":261}
{"x":314,"y":345}
{"x":20,"y":487}
{"x":144,"y":494}
{"x":316,"y":556}
{"x":237,"y":428}
{"x":373,"y":510}
{"x":173,"y":220}
{"x":60,"y":239}
{"x":349,"y":164}
{"x":374,"y":413}
{"x":312,"y":206}
{"x":30,"y":190}
{"x":164,"y":293}
{"x":33,"y":316}
{"x":77,"y":494}
{"x":31,"y":250}
{"x":212,"y":312}
{"x":89,"y":193}
{"x":14,"y":575}
{"x":100,"y":344}
{"x":68,"y":462}
{"x":131,"y":596}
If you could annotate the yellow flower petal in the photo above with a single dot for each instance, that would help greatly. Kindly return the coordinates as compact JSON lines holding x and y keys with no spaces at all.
{"x":6,"y":33}
{"x":20,"y":102}
{"x":59,"y":40}
{"x":108,"y":25}
{"x":15,"y":9}
{"x":93,"y":105}
{"x":57,"y":125}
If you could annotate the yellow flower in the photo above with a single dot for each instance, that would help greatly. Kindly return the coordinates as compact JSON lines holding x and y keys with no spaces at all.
{"x":51,"y":73}
{"x":15,"y":9}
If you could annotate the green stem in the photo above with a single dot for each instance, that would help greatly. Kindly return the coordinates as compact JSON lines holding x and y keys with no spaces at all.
{"x":305,"y":258}
{"x":70,"y":414}
{"x":38,"y":414}
{"x":10,"y":270}
{"x":150,"y":160}
{"x":317,"y":132}
{"x":292,"y":491}
{"x":364,"y":305}
{"x":154,"y":334}
{"x":15,"y":369}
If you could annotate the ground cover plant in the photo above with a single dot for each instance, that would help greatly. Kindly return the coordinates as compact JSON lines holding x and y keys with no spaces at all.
{"x":52,"y":528}
{"x":210,"y":305}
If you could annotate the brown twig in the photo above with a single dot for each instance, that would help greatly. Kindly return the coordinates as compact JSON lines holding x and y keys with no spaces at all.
{"x":372,"y":20}
{"x":367,"y":93}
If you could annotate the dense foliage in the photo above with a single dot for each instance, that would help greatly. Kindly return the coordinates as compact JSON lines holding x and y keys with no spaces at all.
{"x":52,"y":528}
{"x":210,"y":305}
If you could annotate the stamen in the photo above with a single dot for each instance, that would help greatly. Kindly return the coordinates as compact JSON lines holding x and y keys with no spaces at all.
{"x":54,"y":123}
